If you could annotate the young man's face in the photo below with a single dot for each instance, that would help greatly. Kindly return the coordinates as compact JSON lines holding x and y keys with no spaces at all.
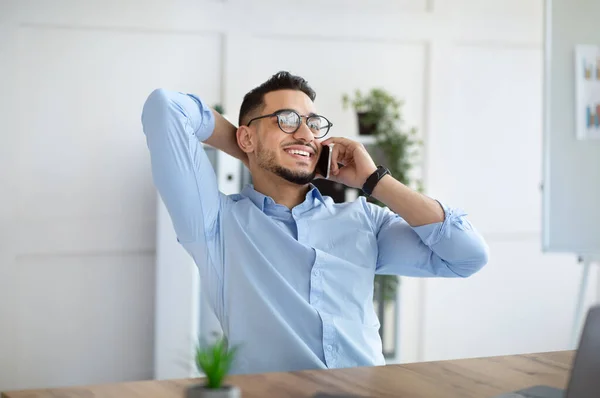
{"x":290,"y":156}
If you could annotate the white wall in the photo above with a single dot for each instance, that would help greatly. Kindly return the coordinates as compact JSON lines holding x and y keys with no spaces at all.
{"x":77,"y":219}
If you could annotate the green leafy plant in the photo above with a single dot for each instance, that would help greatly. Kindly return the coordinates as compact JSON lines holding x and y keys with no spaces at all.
{"x":379,"y":114}
{"x":214,"y":361}
{"x":374,"y":108}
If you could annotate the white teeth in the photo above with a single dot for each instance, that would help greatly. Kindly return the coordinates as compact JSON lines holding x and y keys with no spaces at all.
{"x":298,"y":152}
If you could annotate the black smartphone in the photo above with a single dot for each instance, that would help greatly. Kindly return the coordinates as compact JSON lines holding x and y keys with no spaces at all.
{"x":324,"y":163}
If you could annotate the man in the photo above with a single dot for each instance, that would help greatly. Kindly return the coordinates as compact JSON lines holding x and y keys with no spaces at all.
{"x":288,"y":272}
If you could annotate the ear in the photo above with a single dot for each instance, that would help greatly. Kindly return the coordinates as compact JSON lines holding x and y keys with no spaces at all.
{"x":246,"y":139}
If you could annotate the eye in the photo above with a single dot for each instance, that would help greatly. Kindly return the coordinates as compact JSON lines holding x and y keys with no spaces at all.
{"x":288,"y":120}
{"x":316,"y":123}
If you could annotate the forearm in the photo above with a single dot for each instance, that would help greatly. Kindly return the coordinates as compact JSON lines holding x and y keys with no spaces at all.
{"x":414,"y":207}
{"x":224,"y":139}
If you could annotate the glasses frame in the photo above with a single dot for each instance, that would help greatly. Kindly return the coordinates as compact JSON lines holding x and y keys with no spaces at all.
{"x":300,"y":117}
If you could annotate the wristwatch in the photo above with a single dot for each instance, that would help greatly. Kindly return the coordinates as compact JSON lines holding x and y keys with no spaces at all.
{"x":373,"y":179}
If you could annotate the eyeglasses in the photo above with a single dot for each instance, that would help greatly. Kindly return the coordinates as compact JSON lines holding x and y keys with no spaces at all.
{"x":289,"y":122}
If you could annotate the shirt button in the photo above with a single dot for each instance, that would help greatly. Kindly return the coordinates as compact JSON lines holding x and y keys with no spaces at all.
{"x":329,"y":347}
{"x":316,"y":272}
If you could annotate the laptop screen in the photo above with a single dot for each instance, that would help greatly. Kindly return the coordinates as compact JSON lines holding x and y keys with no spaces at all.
{"x":585,"y":376}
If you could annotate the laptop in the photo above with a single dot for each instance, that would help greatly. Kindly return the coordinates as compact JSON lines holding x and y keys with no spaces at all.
{"x":584,"y":381}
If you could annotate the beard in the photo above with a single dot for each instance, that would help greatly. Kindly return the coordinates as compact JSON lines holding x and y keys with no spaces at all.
{"x":266,"y":160}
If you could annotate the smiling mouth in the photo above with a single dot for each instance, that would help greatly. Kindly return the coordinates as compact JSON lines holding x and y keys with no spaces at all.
{"x":299,"y":153}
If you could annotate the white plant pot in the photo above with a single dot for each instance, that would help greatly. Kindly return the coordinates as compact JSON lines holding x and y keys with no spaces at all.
{"x":200,"y":391}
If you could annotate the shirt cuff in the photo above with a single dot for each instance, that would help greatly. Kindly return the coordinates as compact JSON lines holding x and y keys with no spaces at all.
{"x":432,"y":234}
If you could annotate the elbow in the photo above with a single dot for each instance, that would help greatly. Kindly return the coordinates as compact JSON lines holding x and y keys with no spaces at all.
{"x":158,"y":101}
{"x":159,"y":95}
{"x":477,"y":259}
{"x":471,"y":261}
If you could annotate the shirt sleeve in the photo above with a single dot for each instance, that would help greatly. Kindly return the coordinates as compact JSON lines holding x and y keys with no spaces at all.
{"x":175,"y":124}
{"x":451,"y":248}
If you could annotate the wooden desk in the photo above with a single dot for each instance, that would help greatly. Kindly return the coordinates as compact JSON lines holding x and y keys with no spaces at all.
{"x":481,"y":377}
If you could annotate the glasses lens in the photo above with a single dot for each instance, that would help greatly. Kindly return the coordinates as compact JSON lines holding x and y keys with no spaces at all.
{"x":318,"y":125}
{"x":289,"y":121}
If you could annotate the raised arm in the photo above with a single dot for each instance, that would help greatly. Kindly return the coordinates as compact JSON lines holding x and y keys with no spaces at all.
{"x":174,"y":125}
{"x":444,"y":242}
{"x":418,"y":236}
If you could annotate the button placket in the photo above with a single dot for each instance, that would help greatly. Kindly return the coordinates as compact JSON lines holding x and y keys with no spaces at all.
{"x":329,"y":348}
{"x":316,"y":282}
{"x":315,"y":286}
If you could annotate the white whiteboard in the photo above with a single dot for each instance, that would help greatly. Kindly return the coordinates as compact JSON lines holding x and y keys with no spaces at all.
{"x":571,"y":181}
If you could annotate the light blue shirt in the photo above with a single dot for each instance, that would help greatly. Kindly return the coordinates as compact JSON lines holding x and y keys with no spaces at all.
{"x":292,"y":288}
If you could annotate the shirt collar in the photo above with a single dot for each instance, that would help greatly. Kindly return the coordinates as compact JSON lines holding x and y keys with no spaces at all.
{"x":313,"y":196}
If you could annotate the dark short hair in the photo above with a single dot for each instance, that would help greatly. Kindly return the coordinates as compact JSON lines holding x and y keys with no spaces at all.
{"x":280,"y":81}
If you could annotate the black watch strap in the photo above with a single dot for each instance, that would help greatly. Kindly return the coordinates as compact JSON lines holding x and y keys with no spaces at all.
{"x":374,"y":179}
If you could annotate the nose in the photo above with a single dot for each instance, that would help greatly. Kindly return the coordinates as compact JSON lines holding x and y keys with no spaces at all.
{"x":304,"y":133}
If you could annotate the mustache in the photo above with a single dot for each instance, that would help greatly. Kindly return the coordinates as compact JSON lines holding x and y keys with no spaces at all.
{"x":300,"y":143}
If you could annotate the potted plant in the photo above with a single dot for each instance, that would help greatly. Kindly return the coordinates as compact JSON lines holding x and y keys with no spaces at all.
{"x":379,"y":114}
{"x":372,"y":109}
{"x":214,"y":360}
